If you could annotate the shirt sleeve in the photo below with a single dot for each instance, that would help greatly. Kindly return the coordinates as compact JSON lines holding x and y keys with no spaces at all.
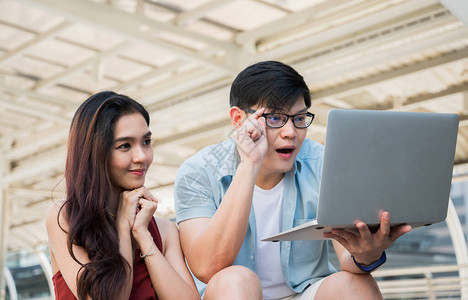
{"x":193,"y":192}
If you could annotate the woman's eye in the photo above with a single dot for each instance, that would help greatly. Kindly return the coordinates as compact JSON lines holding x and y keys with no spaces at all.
{"x":124,"y":146}
{"x":147,"y":142}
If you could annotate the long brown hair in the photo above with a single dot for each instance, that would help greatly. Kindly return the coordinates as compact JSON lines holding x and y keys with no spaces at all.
{"x":88,"y":190}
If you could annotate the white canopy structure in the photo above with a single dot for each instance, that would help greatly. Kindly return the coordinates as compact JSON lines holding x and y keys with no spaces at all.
{"x":179,"y":58}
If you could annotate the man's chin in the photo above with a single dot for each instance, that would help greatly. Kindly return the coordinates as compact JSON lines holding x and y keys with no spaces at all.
{"x":277,"y":165}
{"x":283,"y":167}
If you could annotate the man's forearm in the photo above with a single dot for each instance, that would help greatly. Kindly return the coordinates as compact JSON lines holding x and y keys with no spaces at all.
{"x":219,"y":243}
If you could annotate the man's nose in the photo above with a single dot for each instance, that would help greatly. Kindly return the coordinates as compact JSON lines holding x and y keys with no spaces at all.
{"x":288,"y":130}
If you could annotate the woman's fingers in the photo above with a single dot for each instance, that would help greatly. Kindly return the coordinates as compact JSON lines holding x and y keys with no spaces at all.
{"x":146,"y":210}
{"x":147,"y":203}
{"x":143,"y":192}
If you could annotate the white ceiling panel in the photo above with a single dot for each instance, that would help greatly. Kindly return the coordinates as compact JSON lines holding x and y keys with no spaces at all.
{"x":245,"y":15}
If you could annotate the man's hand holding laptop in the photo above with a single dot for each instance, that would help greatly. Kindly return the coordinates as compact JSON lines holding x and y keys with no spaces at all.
{"x":367,"y":247}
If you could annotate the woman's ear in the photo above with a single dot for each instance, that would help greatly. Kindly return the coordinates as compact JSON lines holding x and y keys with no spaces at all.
{"x":237,"y":115}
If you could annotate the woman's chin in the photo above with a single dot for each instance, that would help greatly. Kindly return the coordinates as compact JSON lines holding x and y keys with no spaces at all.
{"x":133,"y":186}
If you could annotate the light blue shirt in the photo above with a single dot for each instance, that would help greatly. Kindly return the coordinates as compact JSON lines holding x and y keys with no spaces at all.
{"x":203,"y":180}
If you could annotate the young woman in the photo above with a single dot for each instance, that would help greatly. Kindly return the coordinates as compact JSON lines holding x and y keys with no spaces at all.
{"x":104,"y":241}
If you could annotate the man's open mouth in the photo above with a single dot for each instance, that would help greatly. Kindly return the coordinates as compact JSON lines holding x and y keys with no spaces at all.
{"x":285,"y":150}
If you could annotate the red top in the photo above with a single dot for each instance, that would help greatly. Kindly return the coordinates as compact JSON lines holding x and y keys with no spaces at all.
{"x":142,"y":287}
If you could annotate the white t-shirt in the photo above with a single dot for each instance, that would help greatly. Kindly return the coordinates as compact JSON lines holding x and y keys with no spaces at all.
{"x":268,"y":211}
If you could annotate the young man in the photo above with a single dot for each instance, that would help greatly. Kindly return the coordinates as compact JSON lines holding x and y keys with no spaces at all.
{"x":264,"y":180}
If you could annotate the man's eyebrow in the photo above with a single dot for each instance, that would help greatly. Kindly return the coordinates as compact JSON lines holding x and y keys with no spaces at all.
{"x":305,"y":109}
{"x":298,"y":112}
{"x":302,"y":110}
{"x":129,"y":138}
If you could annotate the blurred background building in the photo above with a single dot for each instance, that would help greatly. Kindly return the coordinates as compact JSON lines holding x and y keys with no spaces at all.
{"x":179,"y":58}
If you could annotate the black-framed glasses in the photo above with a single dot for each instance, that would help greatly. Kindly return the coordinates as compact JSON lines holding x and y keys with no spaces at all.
{"x":278,"y":120}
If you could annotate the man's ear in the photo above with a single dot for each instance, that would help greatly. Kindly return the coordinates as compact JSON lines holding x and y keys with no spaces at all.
{"x":237,"y":115}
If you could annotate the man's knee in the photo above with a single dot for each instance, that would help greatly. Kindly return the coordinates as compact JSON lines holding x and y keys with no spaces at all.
{"x":346,"y":285}
{"x":232,"y":283}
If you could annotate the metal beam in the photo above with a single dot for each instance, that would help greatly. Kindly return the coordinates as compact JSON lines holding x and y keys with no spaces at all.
{"x":18,"y":27}
{"x":172,"y":66}
{"x":40,"y":37}
{"x":24,"y":132}
{"x":404,"y":28}
{"x":272,"y":4}
{"x":195,"y":94}
{"x":31,"y":192}
{"x":80,"y":66}
{"x":459,"y":244}
{"x":288,"y":22}
{"x":175,"y":86}
{"x":47,"y":269}
{"x":199,"y":12}
{"x":405,"y":70}
{"x":39,"y":142}
{"x":10,"y":282}
{"x":35,"y":112}
{"x":461,"y":88}
{"x":465,"y":101}
{"x":177,"y":10}
{"x":51,"y":100}
{"x":137,"y":27}
{"x":4,"y":224}
{"x":329,"y":32}
{"x":106,"y":15}
{"x":374,"y":59}
{"x":36,"y":169}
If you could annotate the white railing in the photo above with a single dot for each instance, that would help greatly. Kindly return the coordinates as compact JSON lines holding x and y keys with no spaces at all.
{"x":432,"y":282}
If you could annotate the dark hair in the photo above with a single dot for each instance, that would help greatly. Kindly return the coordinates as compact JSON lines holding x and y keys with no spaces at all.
{"x":88,"y":188}
{"x":270,"y":84}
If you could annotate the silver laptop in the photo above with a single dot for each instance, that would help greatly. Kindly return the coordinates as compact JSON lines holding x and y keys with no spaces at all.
{"x":400,"y":162}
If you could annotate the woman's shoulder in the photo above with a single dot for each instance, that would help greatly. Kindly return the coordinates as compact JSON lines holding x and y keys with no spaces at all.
{"x":52,"y":215}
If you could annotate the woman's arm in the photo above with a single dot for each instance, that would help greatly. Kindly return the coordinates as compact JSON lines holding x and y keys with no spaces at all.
{"x":125,"y":221}
{"x":58,"y":247}
{"x":70,"y":269}
{"x":168,"y":271}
